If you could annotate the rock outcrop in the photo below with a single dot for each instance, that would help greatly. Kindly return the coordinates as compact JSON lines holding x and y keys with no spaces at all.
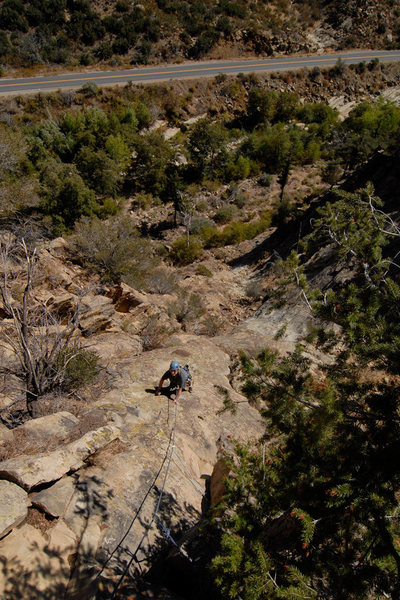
{"x":114,"y":492}
{"x":13,"y":506}
{"x":31,"y":471}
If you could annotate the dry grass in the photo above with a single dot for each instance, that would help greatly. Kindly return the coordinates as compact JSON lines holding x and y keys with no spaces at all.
{"x":40,"y":520}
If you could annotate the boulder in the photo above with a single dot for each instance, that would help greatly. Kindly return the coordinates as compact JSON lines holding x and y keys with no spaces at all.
{"x":61,"y":538}
{"x":113,"y":347}
{"x":96,"y":314}
{"x":32,"y":471}
{"x":13,"y":506}
{"x":124,"y":297}
{"x":55,"y":499}
{"x":57,"y":273}
{"x":50,"y":426}
{"x":217,"y":485}
{"x":64,"y":305}
{"x":59,"y":247}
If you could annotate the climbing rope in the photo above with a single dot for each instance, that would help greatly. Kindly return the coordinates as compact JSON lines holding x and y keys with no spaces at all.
{"x":171,"y":446}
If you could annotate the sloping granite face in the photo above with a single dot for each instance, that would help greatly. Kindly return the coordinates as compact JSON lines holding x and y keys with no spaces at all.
{"x":36,"y":565}
{"x":150,"y":444}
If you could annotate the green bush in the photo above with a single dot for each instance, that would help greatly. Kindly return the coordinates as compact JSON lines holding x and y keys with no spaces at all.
{"x":89,"y":89}
{"x":203,"y":271}
{"x":225,"y":213}
{"x":66,"y":197}
{"x":239,"y":168}
{"x":198,"y":223}
{"x":77,"y":367}
{"x":109,"y":208}
{"x":184,"y":254}
{"x":212,"y":325}
{"x":265,"y":180}
{"x":233,"y":233}
{"x":240,"y":199}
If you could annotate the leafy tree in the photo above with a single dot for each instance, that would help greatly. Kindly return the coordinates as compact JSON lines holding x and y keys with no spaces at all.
{"x":369,"y":126}
{"x":12,"y":16}
{"x":4,"y":44}
{"x":66,"y":197}
{"x":149,"y":167}
{"x":312,"y":511}
{"x":286,"y":106}
{"x":205,"y":145}
{"x":204,"y":43}
{"x":275,"y":147}
{"x":261,"y":106}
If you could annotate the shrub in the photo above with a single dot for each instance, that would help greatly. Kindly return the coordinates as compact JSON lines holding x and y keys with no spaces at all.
{"x":373,"y":64}
{"x":240,"y":199}
{"x":188,"y":307}
{"x":109,"y":208}
{"x":66,"y":196}
{"x":225,"y":213}
{"x":255,"y":290}
{"x":183,"y":253}
{"x":77,"y":367}
{"x":89,"y":89}
{"x":209,"y":234}
{"x":103,"y":51}
{"x":122,"y":6}
{"x":233,"y":233}
{"x":212,"y":325}
{"x":160,"y":281}
{"x":114,"y":248}
{"x":153,"y":334}
{"x":197,"y":223}
{"x":239,"y":168}
{"x":204,"y":43}
{"x":265,"y":180}
{"x":145,"y":201}
{"x":203,"y":271}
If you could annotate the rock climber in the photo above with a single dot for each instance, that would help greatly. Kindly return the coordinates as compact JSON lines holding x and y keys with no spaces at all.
{"x":179,"y":378}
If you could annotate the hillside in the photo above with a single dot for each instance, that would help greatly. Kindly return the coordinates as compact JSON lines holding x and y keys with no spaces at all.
{"x":75,"y":34}
{"x":229,"y":224}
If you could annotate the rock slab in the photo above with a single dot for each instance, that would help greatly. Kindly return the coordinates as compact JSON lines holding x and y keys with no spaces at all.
{"x":54,"y":500}
{"x":32,"y":471}
{"x":13,"y":506}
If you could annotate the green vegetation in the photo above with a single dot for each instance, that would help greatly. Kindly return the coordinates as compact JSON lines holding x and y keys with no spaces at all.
{"x":114,"y":248}
{"x":77,"y":367}
{"x":83,"y":32}
{"x":86,"y":159}
{"x":234,"y":232}
{"x":312,"y":510}
{"x":186,"y":251}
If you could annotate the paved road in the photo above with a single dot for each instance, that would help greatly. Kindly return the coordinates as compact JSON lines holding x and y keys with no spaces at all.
{"x":188,"y":71}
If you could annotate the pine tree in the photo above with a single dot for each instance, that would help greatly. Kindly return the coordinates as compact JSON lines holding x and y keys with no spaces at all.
{"x":312,"y":511}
